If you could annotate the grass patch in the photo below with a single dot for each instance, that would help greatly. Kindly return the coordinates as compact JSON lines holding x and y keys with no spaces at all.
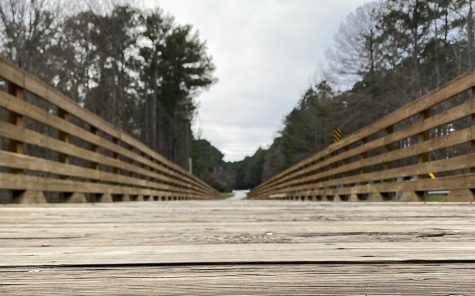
{"x":226,"y":195}
{"x":436,"y":198}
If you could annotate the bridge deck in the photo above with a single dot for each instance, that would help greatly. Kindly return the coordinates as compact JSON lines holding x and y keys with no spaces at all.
{"x":237,"y":247}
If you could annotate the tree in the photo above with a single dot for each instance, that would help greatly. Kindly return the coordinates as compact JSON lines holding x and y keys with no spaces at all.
{"x":208,"y":165}
{"x":357,"y":51}
{"x":176,"y":67}
{"x":137,"y":69}
{"x":406,"y":32}
{"x":26,"y":28}
{"x":308,"y":128}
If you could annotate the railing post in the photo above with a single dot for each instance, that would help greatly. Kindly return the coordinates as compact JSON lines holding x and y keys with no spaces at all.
{"x":115,"y":170}
{"x":388,"y":147}
{"x":62,"y":136}
{"x":69,"y":197}
{"x":115,"y":155}
{"x":424,"y":136}
{"x":467,"y":194}
{"x":99,"y":197}
{"x":363,"y":170}
{"x":94,"y":148}
{"x":131,"y":161}
{"x":364,"y":155}
{"x":423,"y":158}
{"x":16,"y":119}
{"x":472,"y":107}
{"x":20,"y":196}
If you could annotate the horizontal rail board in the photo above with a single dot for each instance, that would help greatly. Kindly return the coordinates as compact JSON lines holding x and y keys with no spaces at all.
{"x":33,"y":183}
{"x":412,"y":170}
{"x":25,"y":162}
{"x":366,"y":156}
{"x":11,"y":103}
{"x":10,"y":131}
{"x":32,"y":84}
{"x":106,"y":159}
{"x":433,"y":122}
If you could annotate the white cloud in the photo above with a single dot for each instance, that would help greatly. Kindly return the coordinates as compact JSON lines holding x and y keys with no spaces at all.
{"x":266,"y":53}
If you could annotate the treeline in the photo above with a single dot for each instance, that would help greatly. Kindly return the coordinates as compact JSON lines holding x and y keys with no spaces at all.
{"x":138,"y":69}
{"x":386,"y":53}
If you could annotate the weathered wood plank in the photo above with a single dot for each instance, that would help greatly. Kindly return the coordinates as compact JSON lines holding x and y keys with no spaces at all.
{"x":132,"y":163}
{"x":447,"y":183}
{"x":24,"y":182}
{"x":34,"y":85}
{"x":25,"y":162}
{"x":349,"y":253}
{"x":388,"y":279}
{"x":35,"y":138}
{"x":453,"y":88}
{"x":387,"y":140}
{"x":64,"y":126}
{"x":234,"y":232}
{"x":445,"y":117}
{"x":347,"y":248}
{"x":456,"y":138}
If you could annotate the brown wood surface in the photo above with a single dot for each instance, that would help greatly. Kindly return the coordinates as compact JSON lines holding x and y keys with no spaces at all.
{"x":21,"y":107}
{"x":448,"y":116}
{"x":312,"y":279}
{"x":35,"y":138}
{"x":460,"y":162}
{"x":32,"y":84}
{"x":381,"y":152}
{"x":460,"y":84}
{"x":108,"y":155}
{"x":32,"y":183}
{"x":238,"y":248}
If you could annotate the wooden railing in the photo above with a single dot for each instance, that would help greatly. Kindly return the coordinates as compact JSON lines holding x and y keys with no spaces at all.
{"x":428,"y":145}
{"x":55,"y":150}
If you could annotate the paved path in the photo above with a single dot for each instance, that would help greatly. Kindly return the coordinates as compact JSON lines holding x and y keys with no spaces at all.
{"x":239,"y":194}
{"x":237,"y":248}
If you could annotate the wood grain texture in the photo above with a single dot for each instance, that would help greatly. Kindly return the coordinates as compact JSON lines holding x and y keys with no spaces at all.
{"x":34,"y":85}
{"x":104,"y":154}
{"x":238,"y":248}
{"x":458,"y":85}
{"x":384,"y":151}
{"x":387,"y":279}
{"x":456,"y":138}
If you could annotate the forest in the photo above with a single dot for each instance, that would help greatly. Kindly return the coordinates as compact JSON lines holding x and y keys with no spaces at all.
{"x":142,"y":71}
{"x":136,"y":68}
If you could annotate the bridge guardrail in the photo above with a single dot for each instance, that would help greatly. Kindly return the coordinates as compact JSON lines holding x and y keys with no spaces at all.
{"x":427,"y":145}
{"x":52,"y":145}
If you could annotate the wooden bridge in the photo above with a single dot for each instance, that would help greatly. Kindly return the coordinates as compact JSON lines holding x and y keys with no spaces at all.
{"x":112,"y":217}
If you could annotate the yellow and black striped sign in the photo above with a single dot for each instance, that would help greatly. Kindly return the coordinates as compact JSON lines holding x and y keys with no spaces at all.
{"x":337,"y":135}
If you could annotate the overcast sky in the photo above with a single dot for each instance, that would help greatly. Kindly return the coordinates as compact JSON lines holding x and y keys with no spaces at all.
{"x":267,"y":52}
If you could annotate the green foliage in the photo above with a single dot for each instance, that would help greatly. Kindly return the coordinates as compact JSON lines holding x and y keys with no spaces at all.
{"x":137,"y":69}
{"x":176,"y":62}
{"x":208,"y":164}
{"x":175,"y":68}
{"x":436,"y":198}
{"x":226,"y":195}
